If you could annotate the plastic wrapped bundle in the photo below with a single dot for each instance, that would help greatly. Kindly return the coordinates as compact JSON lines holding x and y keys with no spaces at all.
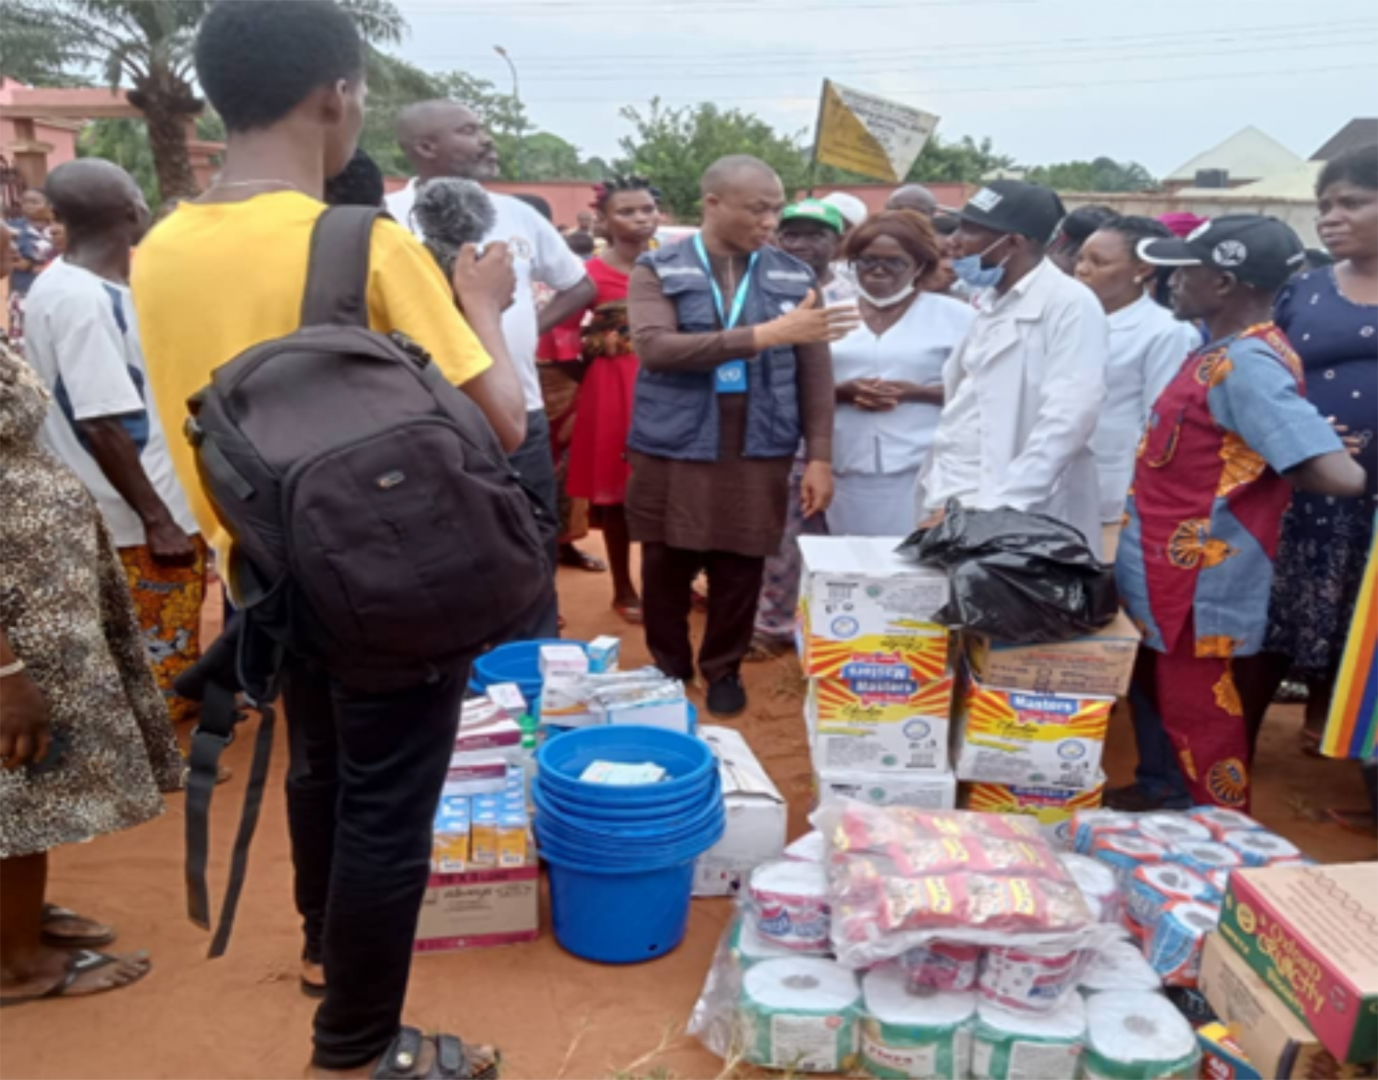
{"x":750,"y":949}
{"x":1169,"y":828}
{"x":800,"y":1014}
{"x":1087,"y":826}
{"x":1221,"y":819}
{"x":1174,"y":950}
{"x":1126,"y":852}
{"x":1138,"y":1036}
{"x":1153,"y":888}
{"x":1009,"y":1045}
{"x":1259,"y":848}
{"x":789,"y":905}
{"x":1098,"y":886}
{"x":1025,"y":981}
{"x":941,"y":965}
{"x":908,"y":1037}
{"x":1205,"y":857}
{"x":811,"y":847}
{"x":1120,"y":965}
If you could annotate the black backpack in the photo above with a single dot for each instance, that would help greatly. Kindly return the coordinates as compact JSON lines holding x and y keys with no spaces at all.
{"x":378,"y":528}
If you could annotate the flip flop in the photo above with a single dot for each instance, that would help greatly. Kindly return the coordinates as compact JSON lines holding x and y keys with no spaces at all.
{"x":78,"y":964}
{"x":53,"y":914}
{"x":582,"y":560}
{"x":631,"y":613}
{"x":454,"y":1060}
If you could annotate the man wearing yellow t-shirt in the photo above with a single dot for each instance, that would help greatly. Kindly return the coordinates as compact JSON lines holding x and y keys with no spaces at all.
{"x":227,"y":272}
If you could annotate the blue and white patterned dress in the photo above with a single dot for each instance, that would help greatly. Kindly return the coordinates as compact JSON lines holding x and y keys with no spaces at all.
{"x":1325,"y":540}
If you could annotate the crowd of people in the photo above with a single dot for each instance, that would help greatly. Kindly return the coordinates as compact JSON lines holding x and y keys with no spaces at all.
{"x":1185,"y":387}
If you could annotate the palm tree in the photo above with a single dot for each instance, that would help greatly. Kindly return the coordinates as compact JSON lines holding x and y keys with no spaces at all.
{"x":145,"y":46}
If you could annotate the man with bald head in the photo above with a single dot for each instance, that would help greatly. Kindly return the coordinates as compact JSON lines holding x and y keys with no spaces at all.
{"x":83,"y":340}
{"x":446,"y":139}
{"x":735,"y":372}
{"x":914,"y":197}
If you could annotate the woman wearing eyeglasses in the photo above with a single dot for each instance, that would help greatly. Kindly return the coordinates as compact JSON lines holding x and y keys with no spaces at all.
{"x":889,"y":375}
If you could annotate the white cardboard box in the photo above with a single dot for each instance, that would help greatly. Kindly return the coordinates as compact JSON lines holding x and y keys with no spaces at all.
{"x":925,"y":790}
{"x":880,"y":732}
{"x":756,"y":817}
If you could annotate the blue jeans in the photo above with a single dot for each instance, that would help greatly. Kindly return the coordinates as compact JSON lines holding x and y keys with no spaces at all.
{"x":1157,"y":775}
{"x":535,"y":463}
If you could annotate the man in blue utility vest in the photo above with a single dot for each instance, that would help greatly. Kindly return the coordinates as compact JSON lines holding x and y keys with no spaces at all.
{"x":735,"y":370}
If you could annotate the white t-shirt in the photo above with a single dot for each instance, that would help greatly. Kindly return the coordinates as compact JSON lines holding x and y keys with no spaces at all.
{"x":81,"y":337}
{"x":914,"y":350}
{"x":539,"y":254}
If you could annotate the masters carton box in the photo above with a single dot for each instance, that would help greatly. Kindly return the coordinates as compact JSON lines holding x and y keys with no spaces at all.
{"x":890,"y":726}
{"x":1276,"y":1042}
{"x":866,"y":615}
{"x":924,"y":790}
{"x":481,"y":908}
{"x":1052,"y":807}
{"x":1311,"y":934}
{"x":1098,"y":665}
{"x":1032,"y":740}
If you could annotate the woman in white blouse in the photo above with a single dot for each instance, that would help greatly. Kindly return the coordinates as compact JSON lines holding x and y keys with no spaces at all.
{"x":1147,"y":348}
{"x":889,"y":375}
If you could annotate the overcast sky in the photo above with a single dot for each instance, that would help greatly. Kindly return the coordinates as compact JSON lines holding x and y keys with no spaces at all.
{"x":1156,"y":81}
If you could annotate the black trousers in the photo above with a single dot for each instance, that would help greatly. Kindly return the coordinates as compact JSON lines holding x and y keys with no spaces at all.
{"x":362,"y":789}
{"x":734,"y":587}
{"x":536,"y":463}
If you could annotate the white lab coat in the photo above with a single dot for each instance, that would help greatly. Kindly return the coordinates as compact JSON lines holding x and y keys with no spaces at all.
{"x":1029,"y":383}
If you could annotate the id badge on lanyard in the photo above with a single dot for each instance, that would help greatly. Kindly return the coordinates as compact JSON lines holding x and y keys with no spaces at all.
{"x":729,"y":378}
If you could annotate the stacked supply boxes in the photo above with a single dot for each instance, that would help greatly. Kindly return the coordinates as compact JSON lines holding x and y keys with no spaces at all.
{"x":1032,"y":721}
{"x":880,"y":688}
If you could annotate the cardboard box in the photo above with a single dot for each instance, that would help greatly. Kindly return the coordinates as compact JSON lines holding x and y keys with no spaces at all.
{"x":1033,"y":740}
{"x":1311,"y":933}
{"x":563,"y":660}
{"x":1096,"y":666}
{"x":925,"y":790}
{"x":887,"y":728}
{"x":1275,"y":1041}
{"x":757,"y":816}
{"x":1052,"y":807}
{"x":1221,"y":1057}
{"x":866,"y":614}
{"x":480,"y":909}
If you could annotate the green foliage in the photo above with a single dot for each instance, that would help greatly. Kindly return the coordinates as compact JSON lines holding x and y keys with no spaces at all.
{"x":963,"y":161}
{"x":674,"y":147}
{"x":1102,"y":174}
{"x":125,"y":142}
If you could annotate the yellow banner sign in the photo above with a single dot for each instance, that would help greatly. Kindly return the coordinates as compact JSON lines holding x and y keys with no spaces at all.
{"x":869,"y":135}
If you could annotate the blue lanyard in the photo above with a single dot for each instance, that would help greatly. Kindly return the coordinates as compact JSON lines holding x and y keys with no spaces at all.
{"x":738,"y":301}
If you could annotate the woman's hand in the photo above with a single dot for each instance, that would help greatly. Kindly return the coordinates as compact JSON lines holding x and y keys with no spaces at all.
{"x":816,"y":490}
{"x":486,"y":280}
{"x":25,"y":732}
{"x":808,"y":324}
{"x":914,"y":393}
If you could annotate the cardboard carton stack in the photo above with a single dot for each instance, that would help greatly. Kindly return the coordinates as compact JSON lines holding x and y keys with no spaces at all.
{"x":1292,"y":971}
{"x":880,"y":684}
{"x":1032,"y":721}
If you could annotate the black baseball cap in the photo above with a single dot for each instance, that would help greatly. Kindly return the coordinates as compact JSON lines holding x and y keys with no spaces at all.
{"x":1258,"y":250}
{"x":1013,"y":206}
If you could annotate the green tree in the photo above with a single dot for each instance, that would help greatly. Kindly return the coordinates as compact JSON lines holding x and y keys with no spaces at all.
{"x":144,"y":46}
{"x":674,"y":147}
{"x":963,"y":161}
{"x":125,"y":142}
{"x":1102,"y":174}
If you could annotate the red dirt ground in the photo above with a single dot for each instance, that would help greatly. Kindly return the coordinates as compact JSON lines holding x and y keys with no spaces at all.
{"x":553,"y":1015}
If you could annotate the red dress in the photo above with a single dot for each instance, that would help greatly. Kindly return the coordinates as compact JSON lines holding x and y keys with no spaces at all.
{"x":598,"y":468}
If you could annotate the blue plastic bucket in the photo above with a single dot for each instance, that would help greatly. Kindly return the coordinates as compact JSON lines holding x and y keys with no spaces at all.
{"x":516,"y":662}
{"x":628,"y":855}
{"x":551,"y":730}
{"x":600,"y":816}
{"x":689,"y":761}
{"x":630,"y":841}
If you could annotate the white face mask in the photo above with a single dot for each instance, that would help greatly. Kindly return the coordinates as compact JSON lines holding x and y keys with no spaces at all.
{"x":886,"y":301}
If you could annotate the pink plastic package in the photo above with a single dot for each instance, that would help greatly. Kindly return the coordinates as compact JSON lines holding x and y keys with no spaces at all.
{"x":941,"y":965}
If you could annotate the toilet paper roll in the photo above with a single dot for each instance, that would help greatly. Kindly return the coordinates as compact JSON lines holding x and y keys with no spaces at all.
{"x":800,"y":1014}
{"x":1133,"y":1035}
{"x":914,"y":1037}
{"x":1205,"y":857}
{"x":811,"y":847}
{"x":942,"y":965}
{"x":1008,"y":1045}
{"x":1088,"y":825}
{"x":1024,"y":981}
{"x":1153,"y":888}
{"x":1259,"y":848}
{"x":1119,"y":965}
{"x":1169,"y":828}
{"x":789,"y":904}
{"x":751,"y":949}
{"x":1174,"y":950}
{"x":1098,"y":885}
{"x":1220,"y":819}
{"x":1126,"y":852}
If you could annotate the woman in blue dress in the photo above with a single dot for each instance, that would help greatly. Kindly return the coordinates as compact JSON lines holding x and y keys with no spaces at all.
{"x":1330,"y":314}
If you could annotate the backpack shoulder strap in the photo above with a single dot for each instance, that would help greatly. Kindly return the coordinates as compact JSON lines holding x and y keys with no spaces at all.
{"x":337,"y":274}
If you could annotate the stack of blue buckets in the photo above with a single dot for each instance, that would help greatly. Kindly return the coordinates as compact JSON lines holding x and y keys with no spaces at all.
{"x":621,"y":859}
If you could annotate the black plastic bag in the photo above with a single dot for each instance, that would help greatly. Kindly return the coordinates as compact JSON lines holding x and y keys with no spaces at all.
{"x":1025,"y":579}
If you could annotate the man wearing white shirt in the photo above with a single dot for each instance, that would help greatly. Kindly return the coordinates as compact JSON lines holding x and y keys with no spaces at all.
{"x":1025,"y":389}
{"x":445,"y":139}
{"x":83,"y":340}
